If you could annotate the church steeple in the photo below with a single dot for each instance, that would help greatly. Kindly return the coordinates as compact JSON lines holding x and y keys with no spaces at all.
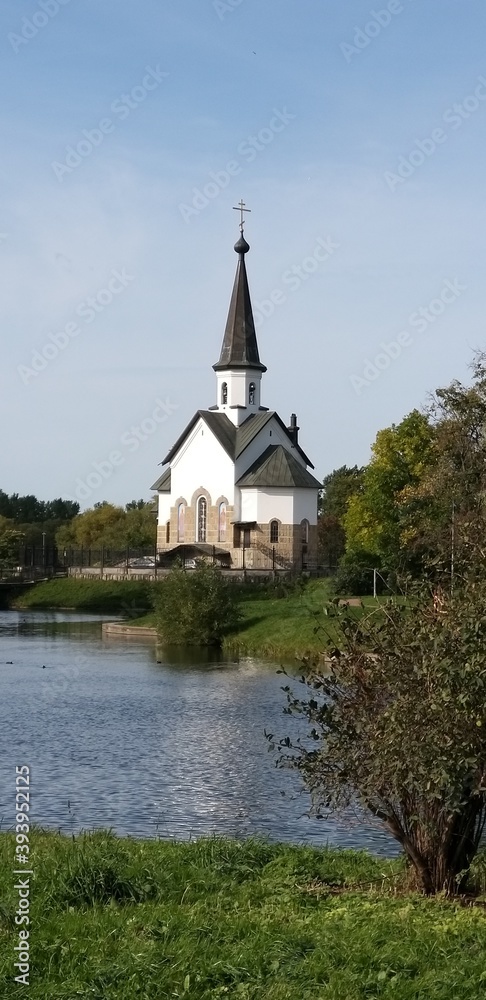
{"x":240,"y":348}
{"x":239,"y":369}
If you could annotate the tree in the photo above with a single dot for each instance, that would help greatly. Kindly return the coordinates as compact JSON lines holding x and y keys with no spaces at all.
{"x":10,"y":541}
{"x":338,"y":488}
{"x":399,"y":726}
{"x":196,"y":608}
{"x":110,"y":526}
{"x":379,"y":518}
{"x":30,"y":510}
{"x":140,"y":524}
{"x":103,"y":524}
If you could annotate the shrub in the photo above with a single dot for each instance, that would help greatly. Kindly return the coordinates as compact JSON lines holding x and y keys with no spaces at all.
{"x":196,"y":608}
{"x":398,"y":718}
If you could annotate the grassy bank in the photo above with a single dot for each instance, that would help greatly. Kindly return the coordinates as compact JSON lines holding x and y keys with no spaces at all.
{"x":125,"y":597}
{"x":271,"y":626}
{"x":216,"y":918}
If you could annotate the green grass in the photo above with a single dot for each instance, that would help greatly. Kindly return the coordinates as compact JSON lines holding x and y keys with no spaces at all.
{"x":287,"y":626}
{"x":271,"y":626}
{"x":128,"y":597}
{"x":154,"y":920}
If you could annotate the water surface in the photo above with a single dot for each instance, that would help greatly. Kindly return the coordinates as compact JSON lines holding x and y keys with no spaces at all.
{"x":172,"y":749}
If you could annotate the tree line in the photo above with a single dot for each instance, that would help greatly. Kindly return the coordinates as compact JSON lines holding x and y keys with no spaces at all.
{"x":409,"y":511}
{"x":27,"y":523}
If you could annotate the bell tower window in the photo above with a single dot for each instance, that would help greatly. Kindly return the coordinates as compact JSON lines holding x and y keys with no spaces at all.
{"x":251,"y":393}
{"x":224,"y":394}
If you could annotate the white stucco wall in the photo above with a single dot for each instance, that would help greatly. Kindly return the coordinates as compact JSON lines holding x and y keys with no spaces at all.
{"x":164,"y":508}
{"x":202,"y":461}
{"x":288,"y":506}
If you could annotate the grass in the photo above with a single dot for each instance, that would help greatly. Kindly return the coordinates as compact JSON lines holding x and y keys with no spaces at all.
{"x":128,"y":597}
{"x":216,"y":918}
{"x":271,"y":626}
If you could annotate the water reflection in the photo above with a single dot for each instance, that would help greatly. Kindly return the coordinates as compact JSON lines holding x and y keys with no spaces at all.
{"x":148,"y":741}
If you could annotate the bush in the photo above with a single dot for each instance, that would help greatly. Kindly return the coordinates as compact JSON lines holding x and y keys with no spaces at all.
{"x":196,"y":608}
{"x":354,"y":576}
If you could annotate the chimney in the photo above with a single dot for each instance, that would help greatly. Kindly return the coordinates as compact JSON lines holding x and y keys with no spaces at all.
{"x":293,"y":429}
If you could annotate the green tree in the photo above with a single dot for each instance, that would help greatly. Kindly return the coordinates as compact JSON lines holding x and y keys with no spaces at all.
{"x":140,"y":524}
{"x":380,"y":518}
{"x":338,"y":488}
{"x":103,"y":524}
{"x":11,"y":539}
{"x":196,"y":608}
{"x":399,"y":725}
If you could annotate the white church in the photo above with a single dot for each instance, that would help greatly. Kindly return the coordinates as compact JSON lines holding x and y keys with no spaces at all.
{"x":237,"y":486}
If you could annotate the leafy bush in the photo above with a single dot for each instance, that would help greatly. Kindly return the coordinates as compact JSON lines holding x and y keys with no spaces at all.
{"x":399,"y":718}
{"x":354,"y":575}
{"x":196,"y":608}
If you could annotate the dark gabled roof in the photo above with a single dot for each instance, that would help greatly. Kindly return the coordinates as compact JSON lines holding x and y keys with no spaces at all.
{"x":250,"y":428}
{"x":163,"y":483}
{"x":222,"y":428}
{"x":254,"y":424}
{"x":277,"y":467}
{"x":233,"y":439}
{"x":220,"y":425}
{"x":240,"y":348}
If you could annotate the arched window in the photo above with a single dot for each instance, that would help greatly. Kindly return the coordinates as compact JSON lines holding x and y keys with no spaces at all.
{"x":224,"y":393}
{"x":305,"y":531}
{"x":167,"y":533}
{"x":222,"y":523}
{"x":202,"y":517}
{"x":251,"y":393}
{"x":274,"y":532}
{"x":181,"y":516}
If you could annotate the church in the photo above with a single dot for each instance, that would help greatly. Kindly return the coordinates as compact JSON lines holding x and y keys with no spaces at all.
{"x":237,"y":487}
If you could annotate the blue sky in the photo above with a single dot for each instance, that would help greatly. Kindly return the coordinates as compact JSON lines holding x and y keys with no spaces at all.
{"x":356,"y":135}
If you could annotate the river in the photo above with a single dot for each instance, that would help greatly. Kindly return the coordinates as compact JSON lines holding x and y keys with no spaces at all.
{"x":149,"y":742}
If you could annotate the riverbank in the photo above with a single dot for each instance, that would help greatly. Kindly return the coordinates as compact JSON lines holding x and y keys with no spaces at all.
{"x":286,"y":626}
{"x":218,"y":918}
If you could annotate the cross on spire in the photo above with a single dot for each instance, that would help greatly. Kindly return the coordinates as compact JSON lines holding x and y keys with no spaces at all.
{"x":240,"y":207}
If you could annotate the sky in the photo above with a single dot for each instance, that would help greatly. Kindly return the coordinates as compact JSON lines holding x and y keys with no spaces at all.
{"x":356,"y":136}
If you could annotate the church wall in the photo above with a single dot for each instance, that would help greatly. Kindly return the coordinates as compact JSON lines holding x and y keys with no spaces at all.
{"x":202,"y":462}
{"x":264,"y":505}
{"x":164,"y":508}
{"x":305,"y":506}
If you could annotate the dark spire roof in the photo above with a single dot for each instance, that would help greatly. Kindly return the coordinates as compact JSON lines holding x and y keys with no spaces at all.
{"x":240,"y":348}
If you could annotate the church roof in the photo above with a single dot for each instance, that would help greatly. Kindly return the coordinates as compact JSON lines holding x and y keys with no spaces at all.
{"x":240,"y":348}
{"x":233,"y":439}
{"x":163,"y":483}
{"x":277,"y":467}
